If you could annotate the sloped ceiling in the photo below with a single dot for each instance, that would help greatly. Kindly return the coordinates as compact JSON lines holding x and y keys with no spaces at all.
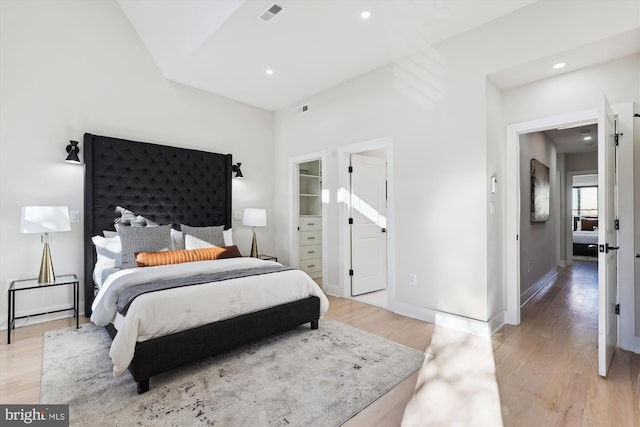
{"x":224,"y":47}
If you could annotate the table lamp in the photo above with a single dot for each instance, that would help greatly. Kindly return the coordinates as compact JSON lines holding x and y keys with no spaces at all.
{"x":45,"y":220}
{"x":255,"y":218}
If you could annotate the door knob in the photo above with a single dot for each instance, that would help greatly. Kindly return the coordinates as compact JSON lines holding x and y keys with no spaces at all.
{"x":384,"y":230}
{"x":606,"y":248}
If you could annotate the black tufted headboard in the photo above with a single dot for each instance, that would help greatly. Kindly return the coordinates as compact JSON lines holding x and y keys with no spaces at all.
{"x":168,"y":185}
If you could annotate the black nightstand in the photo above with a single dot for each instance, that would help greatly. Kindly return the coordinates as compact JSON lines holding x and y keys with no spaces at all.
{"x":268,"y":257}
{"x":32,"y":284}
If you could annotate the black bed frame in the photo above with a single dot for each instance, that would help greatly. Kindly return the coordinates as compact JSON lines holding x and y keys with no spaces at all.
{"x":172,"y":185}
{"x":585,"y":249}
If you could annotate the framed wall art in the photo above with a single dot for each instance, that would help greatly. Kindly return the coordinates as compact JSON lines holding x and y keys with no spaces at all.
{"x":539,"y":191}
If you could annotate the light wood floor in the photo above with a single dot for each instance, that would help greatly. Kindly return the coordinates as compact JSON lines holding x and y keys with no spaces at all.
{"x":545,"y":369}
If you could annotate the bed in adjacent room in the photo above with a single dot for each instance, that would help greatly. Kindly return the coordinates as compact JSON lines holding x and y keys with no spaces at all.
{"x":585,"y":237}
{"x":168,"y":284}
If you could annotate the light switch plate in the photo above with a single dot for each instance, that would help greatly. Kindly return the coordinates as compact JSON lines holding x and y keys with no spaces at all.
{"x":74,"y":216}
{"x":237,"y":215}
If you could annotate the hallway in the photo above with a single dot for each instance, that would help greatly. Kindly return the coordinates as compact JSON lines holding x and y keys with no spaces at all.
{"x":547,"y":368}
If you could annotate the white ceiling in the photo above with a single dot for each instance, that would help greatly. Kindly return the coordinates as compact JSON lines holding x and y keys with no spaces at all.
{"x":572,"y":140}
{"x":224,"y":47}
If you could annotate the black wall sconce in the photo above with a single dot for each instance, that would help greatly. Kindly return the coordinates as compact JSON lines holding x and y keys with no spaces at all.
{"x":73,"y":150}
{"x":236,"y":169}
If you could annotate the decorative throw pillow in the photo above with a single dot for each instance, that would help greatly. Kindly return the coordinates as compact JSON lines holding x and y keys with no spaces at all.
{"x":142,"y":239}
{"x":589,"y":224}
{"x":126,"y":217}
{"x":150,"y":259}
{"x":213,"y":234}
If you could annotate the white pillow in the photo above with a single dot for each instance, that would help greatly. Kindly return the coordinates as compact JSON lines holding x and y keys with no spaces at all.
{"x":177,"y":240}
{"x":108,"y":250}
{"x":107,"y":233}
{"x":192,"y":242}
{"x":228,"y":237}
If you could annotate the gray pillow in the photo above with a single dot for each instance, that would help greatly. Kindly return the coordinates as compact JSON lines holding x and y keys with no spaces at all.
{"x":142,"y":239}
{"x":212,"y":234}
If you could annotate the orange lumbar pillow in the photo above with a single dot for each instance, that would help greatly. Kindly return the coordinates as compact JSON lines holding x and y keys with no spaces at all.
{"x":150,"y":259}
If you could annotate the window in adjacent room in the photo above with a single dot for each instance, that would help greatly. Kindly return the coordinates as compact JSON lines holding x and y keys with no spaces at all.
{"x":585,"y":203}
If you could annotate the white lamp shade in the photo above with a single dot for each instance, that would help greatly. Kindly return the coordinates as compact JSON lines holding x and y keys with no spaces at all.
{"x":44,"y":219}
{"x":254,"y":217}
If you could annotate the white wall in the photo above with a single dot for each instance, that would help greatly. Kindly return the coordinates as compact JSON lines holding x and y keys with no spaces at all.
{"x":433,"y":206}
{"x":537,"y":239}
{"x":575,"y":91}
{"x":581,"y":162}
{"x":496,"y":297}
{"x":437,"y":104}
{"x":70,"y":67}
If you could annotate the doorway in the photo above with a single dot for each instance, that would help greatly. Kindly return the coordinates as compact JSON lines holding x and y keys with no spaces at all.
{"x":308,"y":228}
{"x":513,"y":192}
{"x":365,"y":199}
{"x":607,"y":259}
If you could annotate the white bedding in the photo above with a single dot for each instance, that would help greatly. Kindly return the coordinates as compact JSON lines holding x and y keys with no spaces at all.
{"x":585,"y":237}
{"x":160,"y":313}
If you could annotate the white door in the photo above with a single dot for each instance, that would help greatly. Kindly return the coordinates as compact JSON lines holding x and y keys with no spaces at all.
{"x":368,"y":231}
{"x":607,"y":238}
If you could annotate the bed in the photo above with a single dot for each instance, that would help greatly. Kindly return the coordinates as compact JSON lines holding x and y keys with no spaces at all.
{"x":169,"y":185}
{"x":585,"y":236}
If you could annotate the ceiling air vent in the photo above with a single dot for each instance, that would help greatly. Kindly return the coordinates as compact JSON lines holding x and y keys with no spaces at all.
{"x":302,"y":109}
{"x":271,"y":12}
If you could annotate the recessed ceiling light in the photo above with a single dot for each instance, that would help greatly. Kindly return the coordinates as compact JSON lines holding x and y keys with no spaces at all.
{"x":268,"y":72}
{"x":559,"y":65}
{"x":365,"y":14}
{"x":587,"y":138}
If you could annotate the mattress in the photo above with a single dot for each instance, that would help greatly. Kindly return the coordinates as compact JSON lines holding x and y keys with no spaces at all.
{"x":585,"y":237}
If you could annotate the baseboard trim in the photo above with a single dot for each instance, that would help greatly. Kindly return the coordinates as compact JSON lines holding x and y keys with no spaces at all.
{"x":332,"y":290}
{"x":526,"y":296}
{"x":452,"y":321}
{"x":415,"y":312}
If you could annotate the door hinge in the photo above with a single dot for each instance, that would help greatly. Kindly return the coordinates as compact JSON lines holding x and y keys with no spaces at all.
{"x":350,"y":169}
{"x":617,"y":308}
{"x":351,"y":272}
{"x":350,"y":221}
{"x":616,"y":224}
{"x":616,"y":138}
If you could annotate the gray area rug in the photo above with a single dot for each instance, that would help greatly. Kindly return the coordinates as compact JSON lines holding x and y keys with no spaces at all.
{"x":303,"y":377}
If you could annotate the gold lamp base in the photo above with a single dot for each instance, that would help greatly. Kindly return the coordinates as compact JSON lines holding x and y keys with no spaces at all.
{"x":254,"y":246}
{"x":46,"y":266}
